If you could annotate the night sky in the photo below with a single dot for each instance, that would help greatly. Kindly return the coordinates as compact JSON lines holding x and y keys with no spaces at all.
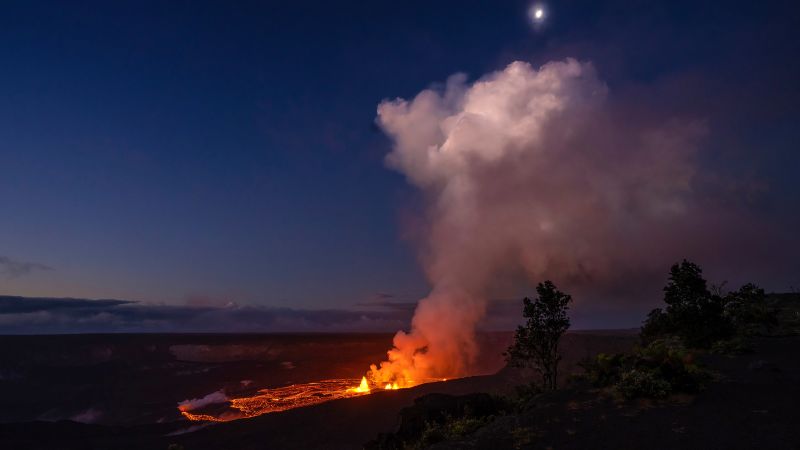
{"x":194,"y":154}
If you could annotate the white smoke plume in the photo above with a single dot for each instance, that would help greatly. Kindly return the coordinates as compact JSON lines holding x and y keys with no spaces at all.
{"x":526,"y":172}
{"x":197,"y":403}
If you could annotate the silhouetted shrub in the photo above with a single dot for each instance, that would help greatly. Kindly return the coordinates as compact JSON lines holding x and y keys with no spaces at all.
{"x":737,"y":345}
{"x":787,"y":313}
{"x":448,"y":429}
{"x":640,"y":383}
{"x":523,"y":397}
{"x":663,"y":367}
{"x":603,"y":369}
{"x":670,"y":360}
{"x":438,"y":417}
{"x":748,"y":312}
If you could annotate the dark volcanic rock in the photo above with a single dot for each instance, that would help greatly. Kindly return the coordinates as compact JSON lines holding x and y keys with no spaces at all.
{"x":435,"y":408}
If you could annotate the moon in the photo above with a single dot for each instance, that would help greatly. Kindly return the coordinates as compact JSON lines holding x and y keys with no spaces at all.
{"x":536,"y":13}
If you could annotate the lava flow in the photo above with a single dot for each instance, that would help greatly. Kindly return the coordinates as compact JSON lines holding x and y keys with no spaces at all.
{"x":290,"y":397}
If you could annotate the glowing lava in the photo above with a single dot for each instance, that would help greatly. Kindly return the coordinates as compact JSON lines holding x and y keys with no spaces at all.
{"x":283,"y":398}
{"x":289,"y":397}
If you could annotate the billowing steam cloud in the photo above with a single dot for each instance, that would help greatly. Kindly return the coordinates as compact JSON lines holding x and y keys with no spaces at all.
{"x":526,"y":172}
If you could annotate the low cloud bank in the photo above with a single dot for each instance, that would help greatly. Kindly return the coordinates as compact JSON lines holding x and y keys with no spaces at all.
{"x":21,"y":315}
{"x":25,"y":315}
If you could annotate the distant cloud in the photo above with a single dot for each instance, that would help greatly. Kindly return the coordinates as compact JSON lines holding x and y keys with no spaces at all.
{"x":22,"y":315}
{"x":377,"y":299}
{"x":389,"y":301}
{"x":29,"y":315}
{"x":11,"y":268}
{"x":27,"y":305}
{"x":396,"y":306}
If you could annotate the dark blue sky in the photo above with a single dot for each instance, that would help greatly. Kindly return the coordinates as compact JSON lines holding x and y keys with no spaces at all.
{"x":215,"y":151}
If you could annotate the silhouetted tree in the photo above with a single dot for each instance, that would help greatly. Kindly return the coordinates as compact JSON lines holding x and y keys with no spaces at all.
{"x":536,"y":343}
{"x":693,"y":313}
{"x":686,"y":287}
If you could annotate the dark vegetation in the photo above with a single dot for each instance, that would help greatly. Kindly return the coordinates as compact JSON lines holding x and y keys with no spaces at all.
{"x":436,"y":418}
{"x":702,"y":318}
{"x":696,"y":320}
{"x":536,"y":343}
{"x":655,"y":371}
{"x":697,"y":324}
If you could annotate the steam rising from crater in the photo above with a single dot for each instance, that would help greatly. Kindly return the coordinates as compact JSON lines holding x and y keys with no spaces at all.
{"x":525,"y":172}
